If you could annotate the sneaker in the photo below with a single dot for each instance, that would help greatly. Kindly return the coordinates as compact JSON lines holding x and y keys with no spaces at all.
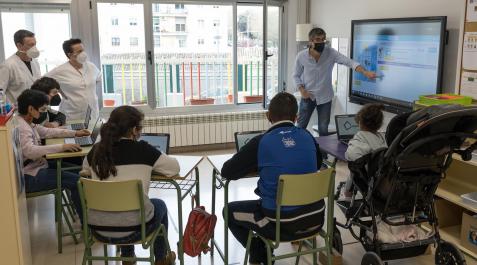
{"x":168,"y":260}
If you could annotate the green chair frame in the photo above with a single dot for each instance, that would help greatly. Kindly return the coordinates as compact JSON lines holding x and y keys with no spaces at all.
{"x":115,"y":196}
{"x":295,"y":190}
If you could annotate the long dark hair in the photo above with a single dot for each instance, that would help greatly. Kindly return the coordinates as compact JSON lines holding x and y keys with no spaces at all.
{"x":120,"y":124}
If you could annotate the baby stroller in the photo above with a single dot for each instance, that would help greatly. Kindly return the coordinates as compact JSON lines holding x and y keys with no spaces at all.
{"x":400,"y":181}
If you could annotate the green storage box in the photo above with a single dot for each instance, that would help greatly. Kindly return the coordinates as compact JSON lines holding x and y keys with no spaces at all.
{"x":437,"y":99}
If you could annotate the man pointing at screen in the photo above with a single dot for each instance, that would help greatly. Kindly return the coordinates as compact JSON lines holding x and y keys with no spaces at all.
{"x":312,"y":76}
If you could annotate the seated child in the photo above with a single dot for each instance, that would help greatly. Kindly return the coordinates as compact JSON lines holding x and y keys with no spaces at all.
{"x":38,"y":175}
{"x":367,"y":139}
{"x":283,"y":149}
{"x":119,"y":156}
{"x":50,"y":87}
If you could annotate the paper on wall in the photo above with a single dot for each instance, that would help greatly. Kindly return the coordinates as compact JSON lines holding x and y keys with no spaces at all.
{"x":471,"y":11}
{"x":468,"y":85}
{"x":469,"y":58}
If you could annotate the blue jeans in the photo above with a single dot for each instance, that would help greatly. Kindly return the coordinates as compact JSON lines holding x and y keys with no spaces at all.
{"x":307,"y":106}
{"x":46,"y":180}
{"x":160,"y":217}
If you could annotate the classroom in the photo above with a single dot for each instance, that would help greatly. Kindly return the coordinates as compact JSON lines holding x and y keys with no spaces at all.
{"x":260,"y":132}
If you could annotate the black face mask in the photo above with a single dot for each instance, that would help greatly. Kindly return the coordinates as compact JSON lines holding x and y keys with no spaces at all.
{"x":55,"y":100}
{"x":319,"y":47}
{"x":41,"y":119}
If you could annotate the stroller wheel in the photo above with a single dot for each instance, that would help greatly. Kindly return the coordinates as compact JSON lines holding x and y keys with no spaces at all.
{"x":337,"y":242}
{"x":448,"y":254}
{"x":371,"y":258}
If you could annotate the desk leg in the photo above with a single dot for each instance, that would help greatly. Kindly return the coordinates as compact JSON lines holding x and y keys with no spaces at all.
{"x":214,"y":175}
{"x":58,"y":212}
{"x":180,"y":249}
{"x":197,"y":187}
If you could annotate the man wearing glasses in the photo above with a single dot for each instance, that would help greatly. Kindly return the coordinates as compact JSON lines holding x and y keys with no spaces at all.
{"x":312,"y":76}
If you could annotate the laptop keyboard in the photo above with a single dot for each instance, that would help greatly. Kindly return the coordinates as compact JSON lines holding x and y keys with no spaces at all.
{"x":83,"y":141}
{"x":77,"y":126}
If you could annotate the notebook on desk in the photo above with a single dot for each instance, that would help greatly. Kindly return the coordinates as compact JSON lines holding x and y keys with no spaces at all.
{"x":86,"y":140}
{"x":346,"y":127}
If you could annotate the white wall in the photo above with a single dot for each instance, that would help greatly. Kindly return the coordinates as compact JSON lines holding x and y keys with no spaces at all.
{"x":335,"y":16}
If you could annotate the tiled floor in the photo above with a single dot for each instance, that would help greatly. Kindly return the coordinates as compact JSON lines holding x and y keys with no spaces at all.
{"x":43,"y":236}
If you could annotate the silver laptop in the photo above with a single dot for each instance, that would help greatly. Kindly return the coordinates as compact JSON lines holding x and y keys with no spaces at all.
{"x":86,"y":140}
{"x":346,"y":127}
{"x":85,"y":124}
{"x":242,"y":138}
{"x":158,"y":140}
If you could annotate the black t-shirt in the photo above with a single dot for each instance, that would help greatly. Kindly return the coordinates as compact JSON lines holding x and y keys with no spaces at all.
{"x":28,"y":64}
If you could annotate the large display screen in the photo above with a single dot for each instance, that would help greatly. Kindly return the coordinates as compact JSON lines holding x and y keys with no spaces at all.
{"x":406,"y":55}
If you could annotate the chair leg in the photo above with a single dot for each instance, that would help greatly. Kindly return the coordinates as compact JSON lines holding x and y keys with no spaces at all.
{"x":105,"y":252}
{"x":297,"y":259}
{"x":269,"y":254}
{"x":84,"y":257}
{"x":70,"y":227}
{"x":68,"y":204}
{"x":329,"y":253}
{"x":247,"y":248}
{"x":315,"y":260}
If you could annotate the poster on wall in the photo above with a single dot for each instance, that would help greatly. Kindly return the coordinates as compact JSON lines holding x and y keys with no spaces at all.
{"x":471,"y":11}
{"x":469,"y":58}
{"x":17,"y":153}
{"x":468,"y":85}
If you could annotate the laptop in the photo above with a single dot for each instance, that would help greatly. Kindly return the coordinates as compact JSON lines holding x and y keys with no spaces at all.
{"x":158,"y":140}
{"x":87,"y":140}
{"x":242,"y":138}
{"x":346,"y":127}
{"x":84,"y":125}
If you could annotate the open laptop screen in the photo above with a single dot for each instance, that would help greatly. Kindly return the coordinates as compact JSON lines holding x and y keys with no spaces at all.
{"x":242,"y":138}
{"x":158,"y":140}
{"x":346,"y":126}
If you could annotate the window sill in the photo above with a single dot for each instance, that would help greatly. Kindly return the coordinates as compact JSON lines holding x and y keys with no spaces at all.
{"x":190,"y":109}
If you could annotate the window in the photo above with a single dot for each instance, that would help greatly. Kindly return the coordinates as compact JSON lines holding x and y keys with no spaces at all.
{"x":156,"y":8}
{"x":182,"y":42}
{"x":49,"y":41}
{"x":132,"y":21}
{"x":189,"y":64}
{"x":180,"y":27}
{"x":115,"y":41}
{"x":201,"y":23}
{"x":155,"y":24}
{"x":133,"y":41}
{"x":114,"y":21}
{"x":157,"y":41}
{"x":123,"y":68}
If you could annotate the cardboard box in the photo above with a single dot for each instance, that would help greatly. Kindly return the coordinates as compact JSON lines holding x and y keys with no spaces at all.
{"x":468,"y":232}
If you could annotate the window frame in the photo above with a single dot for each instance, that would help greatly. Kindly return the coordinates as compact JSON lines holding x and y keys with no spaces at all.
{"x":151,"y":107}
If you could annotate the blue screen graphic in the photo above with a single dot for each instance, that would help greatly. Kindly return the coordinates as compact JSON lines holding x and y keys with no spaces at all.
{"x":404,"y":55}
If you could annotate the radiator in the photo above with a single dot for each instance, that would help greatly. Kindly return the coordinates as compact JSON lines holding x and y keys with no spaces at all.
{"x":210,"y":128}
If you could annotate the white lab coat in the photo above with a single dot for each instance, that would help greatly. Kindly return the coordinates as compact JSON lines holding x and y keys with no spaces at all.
{"x":79,"y":87}
{"x":15,"y":76}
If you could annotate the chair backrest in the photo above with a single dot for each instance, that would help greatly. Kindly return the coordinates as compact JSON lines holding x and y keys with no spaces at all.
{"x":242,"y":138}
{"x":158,"y":140}
{"x":112,"y":196}
{"x":295,"y":190}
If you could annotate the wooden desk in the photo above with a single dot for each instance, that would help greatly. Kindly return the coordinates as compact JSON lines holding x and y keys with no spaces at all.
{"x":182,"y":182}
{"x":217,"y":162}
{"x":58,"y":203}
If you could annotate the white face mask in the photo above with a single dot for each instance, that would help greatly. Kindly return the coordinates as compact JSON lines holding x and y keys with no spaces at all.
{"x":82,"y":57}
{"x":33,"y":52}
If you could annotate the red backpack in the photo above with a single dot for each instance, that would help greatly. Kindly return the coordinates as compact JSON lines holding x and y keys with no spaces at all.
{"x":198,"y":231}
